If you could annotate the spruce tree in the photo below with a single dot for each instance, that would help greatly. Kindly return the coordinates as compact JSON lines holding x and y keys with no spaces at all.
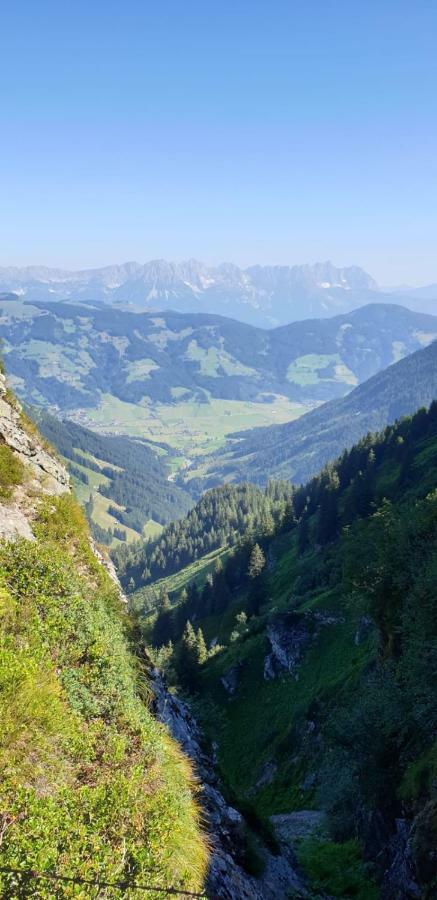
{"x":188,"y":661}
{"x":257,"y":562}
{"x":257,"y":591}
{"x":202,"y":652}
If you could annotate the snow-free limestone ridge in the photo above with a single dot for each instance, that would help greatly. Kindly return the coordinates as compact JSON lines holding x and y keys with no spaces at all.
{"x":260,"y":295}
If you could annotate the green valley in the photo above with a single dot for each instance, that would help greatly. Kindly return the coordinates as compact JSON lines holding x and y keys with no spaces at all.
{"x":218,"y":451}
{"x":298,"y":449}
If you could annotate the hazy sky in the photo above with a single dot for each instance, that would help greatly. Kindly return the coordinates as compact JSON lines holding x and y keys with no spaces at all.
{"x":271,"y":132}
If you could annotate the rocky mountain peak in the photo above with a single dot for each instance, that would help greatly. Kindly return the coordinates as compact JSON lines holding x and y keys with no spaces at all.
{"x":261,"y":295}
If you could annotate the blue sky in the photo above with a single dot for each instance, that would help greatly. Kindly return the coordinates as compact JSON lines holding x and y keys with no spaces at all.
{"x":280,"y":132}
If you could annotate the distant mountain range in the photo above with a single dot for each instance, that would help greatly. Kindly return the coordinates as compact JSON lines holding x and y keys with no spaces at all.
{"x":298,"y":450}
{"x":260,"y":295}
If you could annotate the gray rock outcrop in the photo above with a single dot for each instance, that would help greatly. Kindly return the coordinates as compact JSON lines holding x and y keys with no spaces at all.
{"x":399,"y":881}
{"x":290,"y":635}
{"x":230,"y":678}
{"x":51,"y":474}
{"x":44,"y":473}
{"x":290,"y":828}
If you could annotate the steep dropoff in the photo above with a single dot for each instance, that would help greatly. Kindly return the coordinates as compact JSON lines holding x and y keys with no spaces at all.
{"x":318,"y":693}
{"x":226,"y":877}
{"x":45,"y":572}
{"x":92,"y":786}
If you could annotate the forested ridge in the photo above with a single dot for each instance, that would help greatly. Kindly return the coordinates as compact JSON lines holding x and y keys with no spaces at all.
{"x":136,"y":478}
{"x":219,"y":519}
{"x":130,"y":355}
{"x":312,"y":652}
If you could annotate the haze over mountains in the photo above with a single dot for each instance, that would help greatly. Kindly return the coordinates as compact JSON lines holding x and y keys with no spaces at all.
{"x":260,"y":295}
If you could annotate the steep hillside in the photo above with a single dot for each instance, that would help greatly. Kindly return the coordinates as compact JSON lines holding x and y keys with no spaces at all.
{"x":312,"y":664}
{"x":92,"y":787}
{"x":125,"y":487}
{"x":297,"y":450}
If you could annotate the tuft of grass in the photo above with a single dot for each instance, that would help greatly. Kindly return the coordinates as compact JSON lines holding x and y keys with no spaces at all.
{"x":12,"y":471}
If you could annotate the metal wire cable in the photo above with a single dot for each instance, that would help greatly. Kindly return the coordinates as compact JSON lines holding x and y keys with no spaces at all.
{"x":122,"y":885}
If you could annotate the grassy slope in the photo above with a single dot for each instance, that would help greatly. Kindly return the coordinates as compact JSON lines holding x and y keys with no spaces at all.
{"x":120,"y":468}
{"x":175,"y":583}
{"x":91,"y":784}
{"x":257,"y":723}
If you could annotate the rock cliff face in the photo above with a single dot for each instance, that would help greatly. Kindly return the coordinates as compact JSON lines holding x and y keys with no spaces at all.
{"x":226,"y":877}
{"x":44,"y":474}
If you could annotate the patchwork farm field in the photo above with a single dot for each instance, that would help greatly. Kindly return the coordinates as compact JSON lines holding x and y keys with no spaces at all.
{"x":189,"y":428}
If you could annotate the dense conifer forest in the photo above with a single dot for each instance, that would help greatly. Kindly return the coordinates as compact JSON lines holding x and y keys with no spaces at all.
{"x":219,"y":519}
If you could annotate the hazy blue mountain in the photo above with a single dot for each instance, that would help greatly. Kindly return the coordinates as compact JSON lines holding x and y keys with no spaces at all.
{"x":297,"y":450}
{"x":423,"y":298}
{"x":260,"y":295}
